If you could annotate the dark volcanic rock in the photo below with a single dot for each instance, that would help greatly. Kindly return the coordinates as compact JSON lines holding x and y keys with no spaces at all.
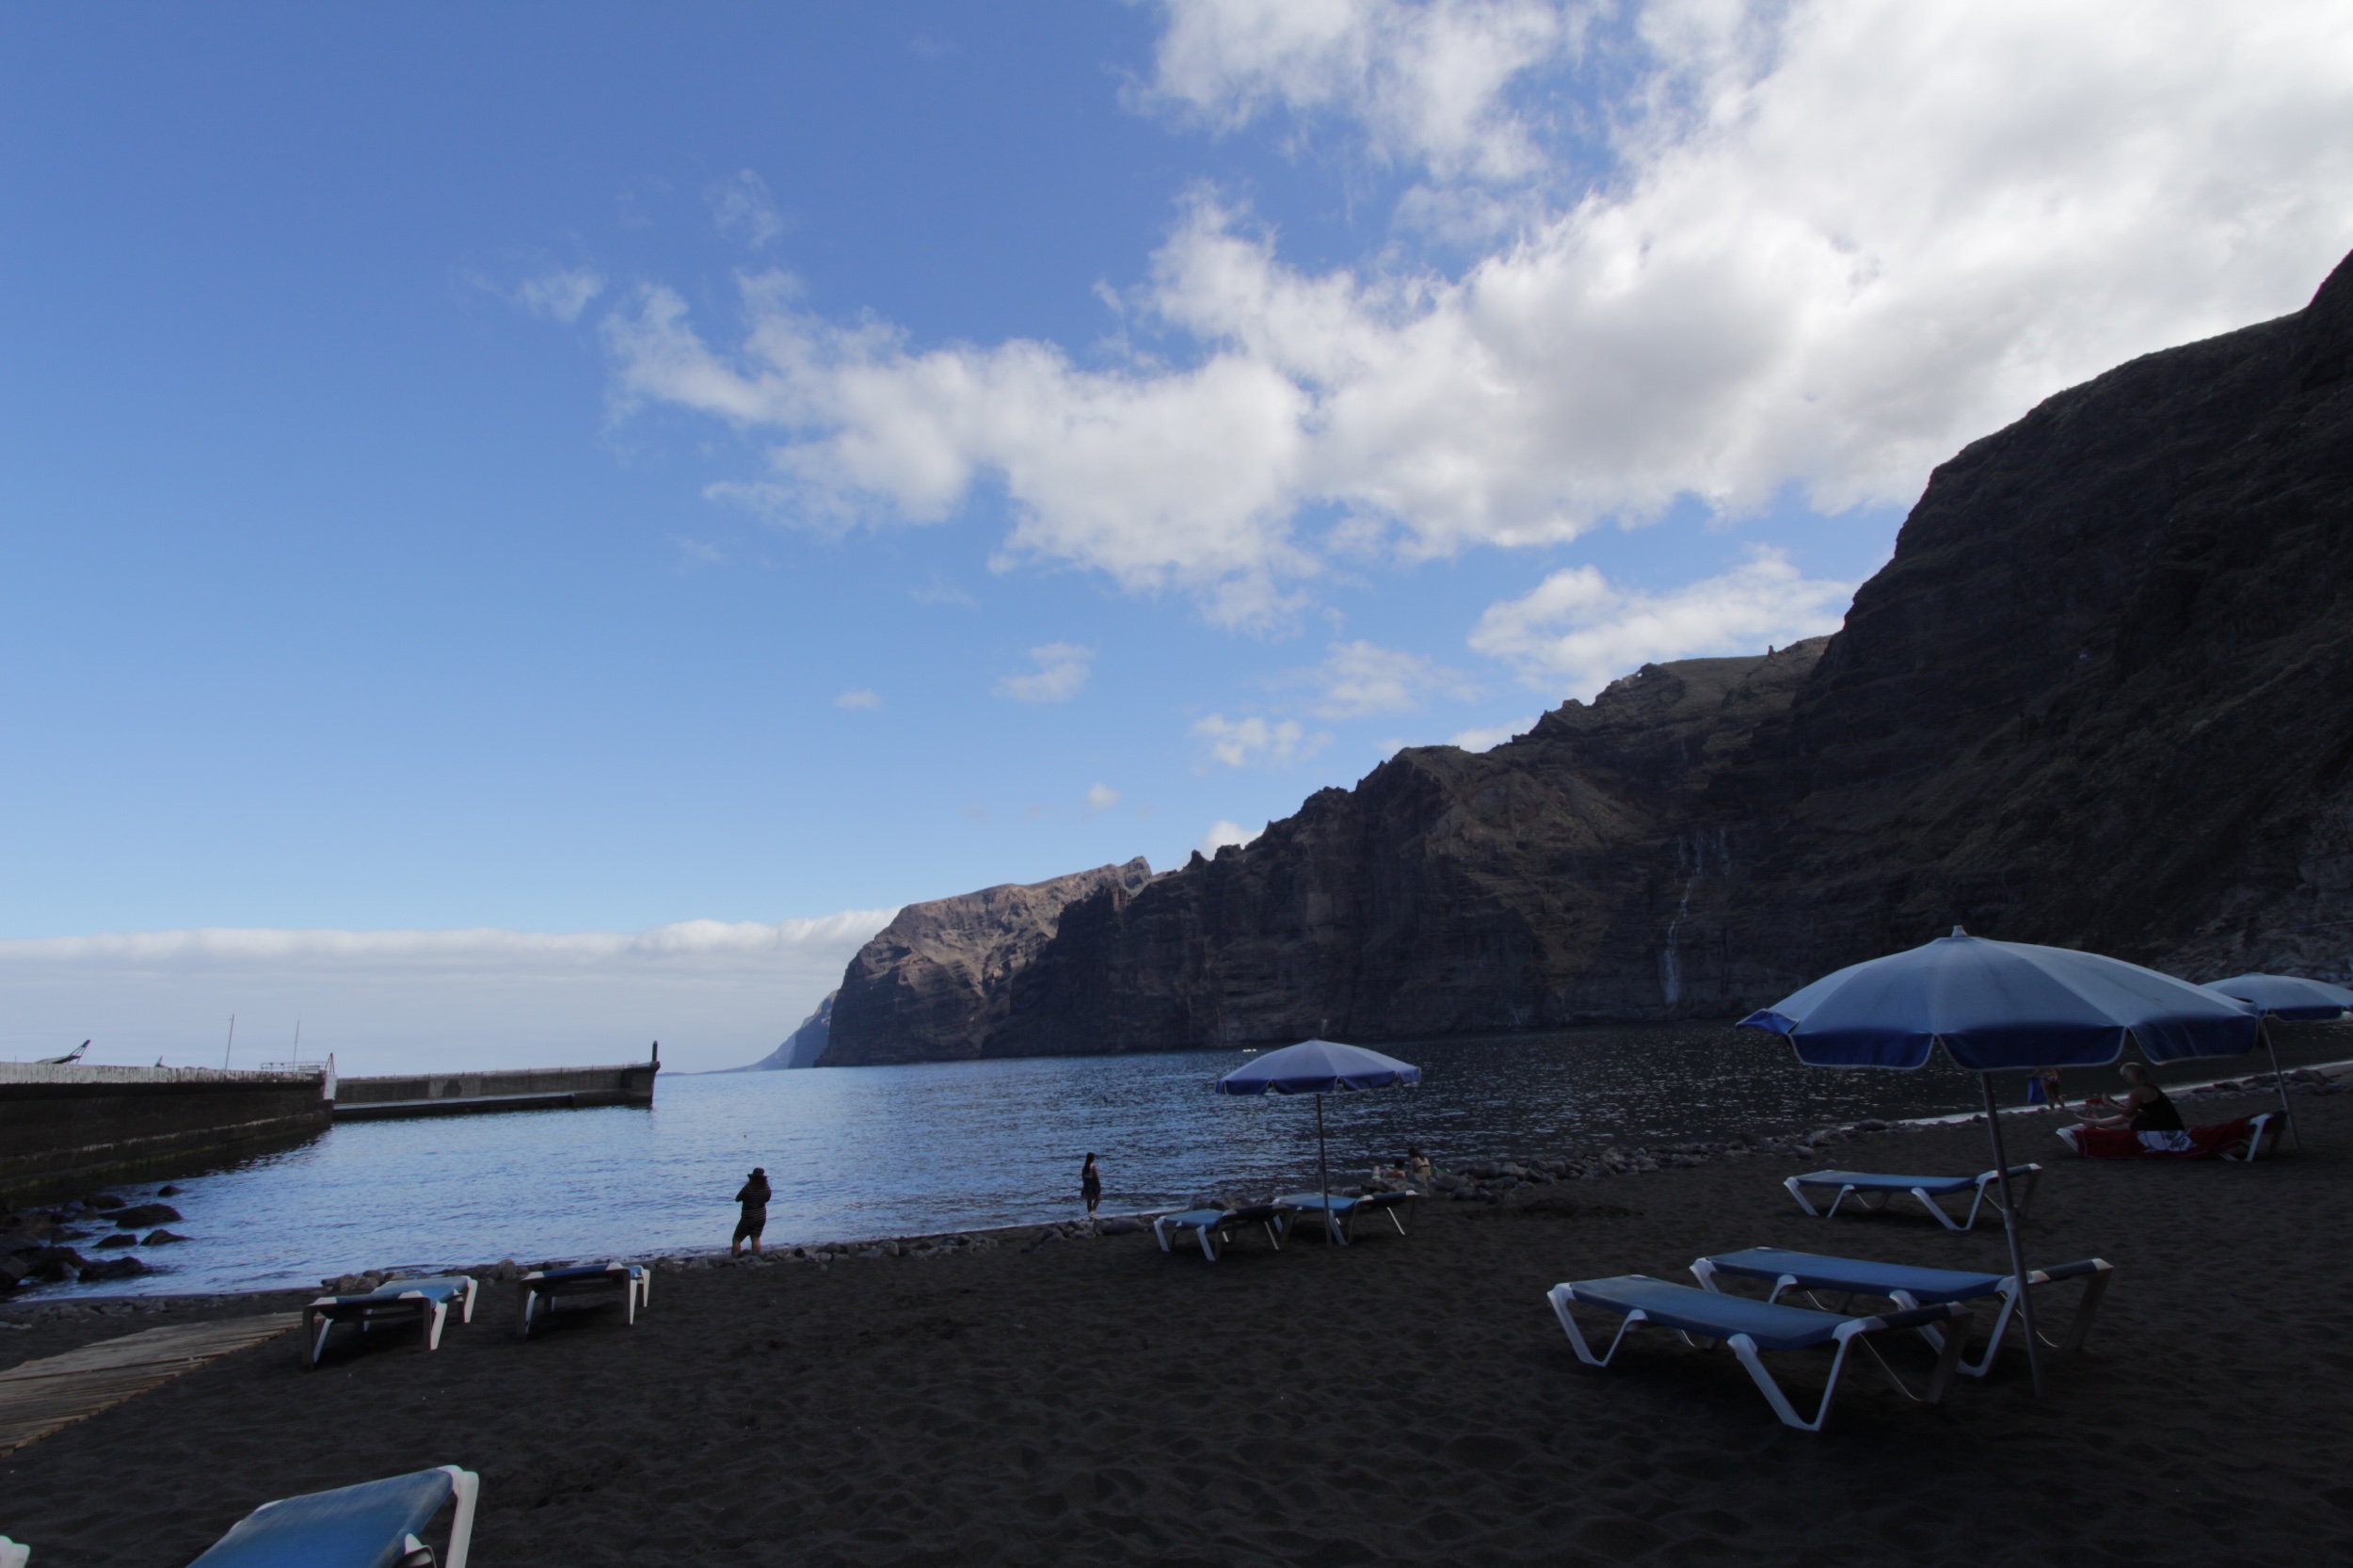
{"x":2101,"y":697}
{"x":935,"y":982}
{"x":121,"y":1239}
{"x":114,"y":1268}
{"x":803,"y":1046}
{"x":144,"y":1214}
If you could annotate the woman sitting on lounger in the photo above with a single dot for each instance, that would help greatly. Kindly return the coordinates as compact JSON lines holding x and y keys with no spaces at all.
{"x":2144,"y":1107}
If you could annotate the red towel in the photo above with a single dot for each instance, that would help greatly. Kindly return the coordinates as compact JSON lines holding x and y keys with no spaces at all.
{"x":2199,"y":1143}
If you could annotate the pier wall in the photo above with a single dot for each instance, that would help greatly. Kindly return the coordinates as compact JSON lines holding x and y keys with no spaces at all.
{"x":66,"y":1129}
{"x":520,"y":1088}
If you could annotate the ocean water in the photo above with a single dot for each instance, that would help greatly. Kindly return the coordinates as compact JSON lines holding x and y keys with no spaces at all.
{"x":869,"y":1152}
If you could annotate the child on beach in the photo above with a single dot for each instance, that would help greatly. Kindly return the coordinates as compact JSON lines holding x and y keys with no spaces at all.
{"x":1090,"y":1185}
{"x":754,"y":1197}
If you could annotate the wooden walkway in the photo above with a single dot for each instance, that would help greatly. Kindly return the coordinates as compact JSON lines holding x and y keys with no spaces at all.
{"x":39,"y":1397}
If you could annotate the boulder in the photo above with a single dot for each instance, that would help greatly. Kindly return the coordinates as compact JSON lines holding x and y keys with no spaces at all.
{"x":167,"y":1190}
{"x":161,"y":1238}
{"x":1119,"y":1226}
{"x":120,"y":1239}
{"x":144,"y":1214}
{"x":114,"y":1268}
{"x":102,"y":1200}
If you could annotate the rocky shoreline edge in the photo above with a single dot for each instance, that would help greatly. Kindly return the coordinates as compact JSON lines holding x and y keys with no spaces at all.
{"x":1491,"y":1182}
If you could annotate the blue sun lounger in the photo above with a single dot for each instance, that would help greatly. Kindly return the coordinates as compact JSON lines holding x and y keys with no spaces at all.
{"x":373,"y":1525}
{"x":538,"y":1290}
{"x":428,"y":1300}
{"x":1749,"y":1328}
{"x":1346,"y":1211}
{"x":1215,"y":1228}
{"x":1872,"y":1192}
{"x":1909,"y":1288}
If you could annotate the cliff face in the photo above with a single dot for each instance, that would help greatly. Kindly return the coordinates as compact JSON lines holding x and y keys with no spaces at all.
{"x":2101,"y":697}
{"x":803,"y":1047}
{"x":935,"y":983}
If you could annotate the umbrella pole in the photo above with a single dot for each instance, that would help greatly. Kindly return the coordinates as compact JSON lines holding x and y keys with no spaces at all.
{"x":1323,"y":1174}
{"x":2010,"y":1229}
{"x":2280,"y":1081}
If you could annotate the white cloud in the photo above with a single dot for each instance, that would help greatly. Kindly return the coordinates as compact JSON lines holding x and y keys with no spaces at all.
{"x":1222,"y":832}
{"x":1060,"y":674}
{"x":1101,"y":798}
{"x":1491,"y":736}
{"x":862,"y":696}
{"x":1254,"y":741}
{"x":1427,"y":81}
{"x":940,"y":590}
{"x":1360,"y":678}
{"x":716,"y":993}
{"x":743,"y":209}
{"x":1839,"y":240}
{"x":1575,"y":632}
{"x":560,"y":295}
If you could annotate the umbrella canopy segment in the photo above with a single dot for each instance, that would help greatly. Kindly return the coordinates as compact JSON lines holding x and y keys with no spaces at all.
{"x":2004,"y":1004}
{"x":1319,"y":1067}
{"x":2287,"y":996}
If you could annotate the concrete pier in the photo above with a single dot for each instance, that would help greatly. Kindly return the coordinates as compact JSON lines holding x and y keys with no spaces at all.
{"x":478,"y":1094}
{"x":66,"y":1129}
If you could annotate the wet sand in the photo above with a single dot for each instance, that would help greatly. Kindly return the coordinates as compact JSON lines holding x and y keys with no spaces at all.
{"x":1402,"y":1401}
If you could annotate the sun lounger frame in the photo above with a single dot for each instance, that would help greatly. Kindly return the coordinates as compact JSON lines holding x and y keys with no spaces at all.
{"x":393,"y":1299}
{"x":465,"y":1488}
{"x":14,"y":1554}
{"x":536,"y":1292}
{"x":1217,"y":1233}
{"x":1848,"y":1331}
{"x":1873,"y":1194}
{"x":1340,"y":1219}
{"x":1850,"y":1278}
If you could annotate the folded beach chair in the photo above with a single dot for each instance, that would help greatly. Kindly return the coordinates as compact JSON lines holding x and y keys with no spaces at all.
{"x":425,"y":1299}
{"x":1215,"y":1228}
{"x":373,"y":1525}
{"x":2243,"y":1140}
{"x":537,"y":1289}
{"x":1910,"y":1287}
{"x":1750,"y":1328}
{"x":14,"y":1555}
{"x":1873,"y":1193}
{"x":1347,"y":1211}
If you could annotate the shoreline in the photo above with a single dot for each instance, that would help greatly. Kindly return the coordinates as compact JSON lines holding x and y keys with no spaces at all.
{"x":1468,"y":1185}
{"x":1406,"y":1400}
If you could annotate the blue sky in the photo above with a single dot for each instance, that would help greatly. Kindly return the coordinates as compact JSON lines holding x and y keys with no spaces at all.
{"x":612,"y":469}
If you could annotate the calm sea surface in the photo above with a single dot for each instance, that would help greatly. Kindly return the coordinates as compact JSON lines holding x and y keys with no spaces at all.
{"x":881,"y":1151}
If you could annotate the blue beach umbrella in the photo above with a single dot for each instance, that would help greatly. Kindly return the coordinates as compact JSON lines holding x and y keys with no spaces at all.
{"x":2287,"y":996}
{"x":2002,"y":1005}
{"x":1319,"y":1067}
{"x":2290,"y":996}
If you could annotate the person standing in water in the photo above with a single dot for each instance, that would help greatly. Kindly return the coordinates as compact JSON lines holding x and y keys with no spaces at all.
{"x":754,"y":1197}
{"x":1090,"y":1185}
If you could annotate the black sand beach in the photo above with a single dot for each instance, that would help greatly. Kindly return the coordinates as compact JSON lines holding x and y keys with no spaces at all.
{"x":1403,"y":1400}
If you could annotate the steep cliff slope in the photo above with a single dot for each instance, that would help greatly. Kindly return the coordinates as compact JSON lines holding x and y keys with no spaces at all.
{"x":2101,"y":696}
{"x":935,"y":983}
{"x":803,"y":1047}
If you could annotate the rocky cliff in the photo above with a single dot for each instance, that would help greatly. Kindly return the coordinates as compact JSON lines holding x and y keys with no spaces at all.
{"x":803,"y":1047}
{"x":935,"y":983}
{"x":2101,"y":696}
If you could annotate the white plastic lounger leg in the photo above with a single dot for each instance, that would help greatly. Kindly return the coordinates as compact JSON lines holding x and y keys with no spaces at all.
{"x":1928,"y":1201}
{"x":1160,"y":1232}
{"x":468,"y":1487}
{"x":1559,"y":1298}
{"x":14,"y":1554}
{"x":1745,"y":1348}
{"x":436,"y":1314}
{"x":468,"y":1309}
{"x":1208,"y":1242}
{"x":1798,"y":1192}
{"x":2086,"y":1308}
